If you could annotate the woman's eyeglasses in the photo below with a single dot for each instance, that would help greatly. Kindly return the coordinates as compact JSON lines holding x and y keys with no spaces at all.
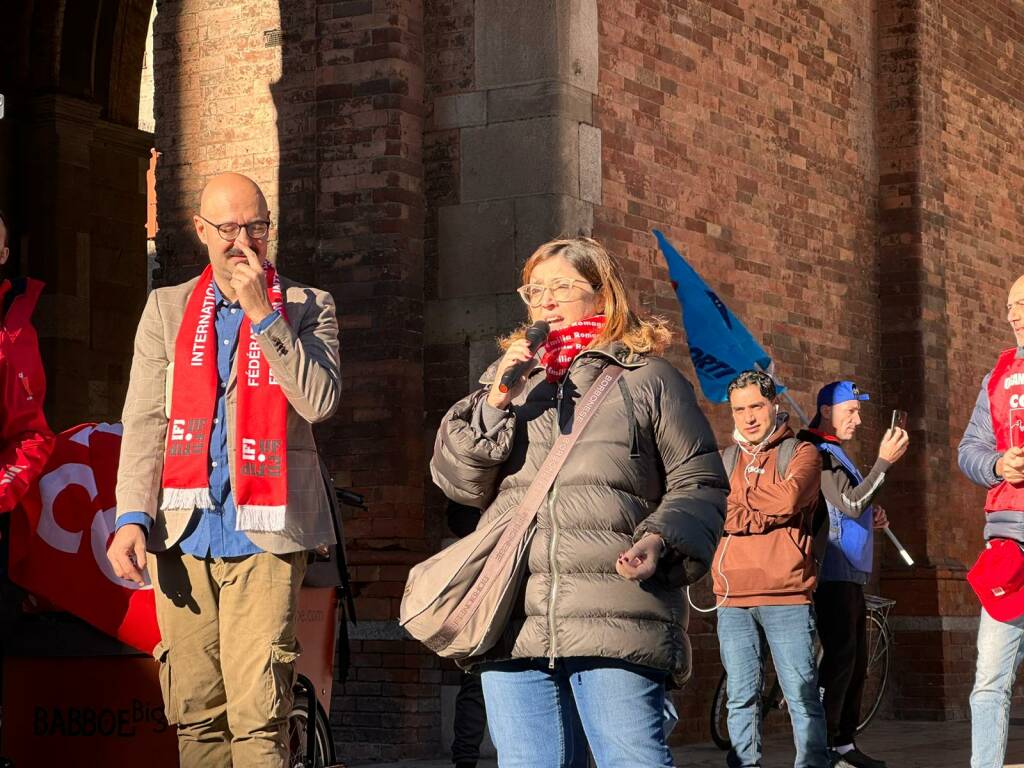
{"x":562,"y":289}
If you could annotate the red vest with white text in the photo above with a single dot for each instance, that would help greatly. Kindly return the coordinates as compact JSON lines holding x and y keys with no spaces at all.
{"x":1006,"y":404}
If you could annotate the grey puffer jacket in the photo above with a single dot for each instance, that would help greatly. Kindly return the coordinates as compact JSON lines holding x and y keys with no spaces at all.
{"x":648,"y":462}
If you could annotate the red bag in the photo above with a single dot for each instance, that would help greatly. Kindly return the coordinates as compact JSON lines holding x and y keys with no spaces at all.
{"x":998,"y":577}
{"x":60,"y":534}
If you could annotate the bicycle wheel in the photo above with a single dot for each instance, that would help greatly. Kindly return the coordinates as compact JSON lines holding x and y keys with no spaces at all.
{"x":879,"y":651}
{"x":299,"y":733}
{"x":720,"y":716}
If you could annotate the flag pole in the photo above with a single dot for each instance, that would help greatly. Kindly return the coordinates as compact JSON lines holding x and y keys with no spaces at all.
{"x":803,"y":417}
{"x":785,"y":394}
{"x":896,"y":543}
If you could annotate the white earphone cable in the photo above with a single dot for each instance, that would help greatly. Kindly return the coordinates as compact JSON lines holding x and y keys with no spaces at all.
{"x":718,"y":603}
{"x":728,"y":538}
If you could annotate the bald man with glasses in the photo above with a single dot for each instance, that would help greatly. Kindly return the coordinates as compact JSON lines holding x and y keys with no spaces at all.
{"x":220,"y":495}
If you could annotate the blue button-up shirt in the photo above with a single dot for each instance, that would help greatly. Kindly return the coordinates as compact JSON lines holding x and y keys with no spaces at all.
{"x":212,"y":533}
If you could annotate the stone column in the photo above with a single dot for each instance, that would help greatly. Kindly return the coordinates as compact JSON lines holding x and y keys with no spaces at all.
{"x":530,"y":164}
{"x":85,"y":212}
{"x":121,"y":157}
{"x":934,"y":619}
{"x":516,"y":162}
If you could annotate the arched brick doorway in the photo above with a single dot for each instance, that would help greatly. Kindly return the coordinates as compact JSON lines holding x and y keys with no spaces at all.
{"x":72,"y":177}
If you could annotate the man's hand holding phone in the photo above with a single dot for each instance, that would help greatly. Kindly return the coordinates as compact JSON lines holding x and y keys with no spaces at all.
{"x":899,"y":419}
{"x":896,"y":440}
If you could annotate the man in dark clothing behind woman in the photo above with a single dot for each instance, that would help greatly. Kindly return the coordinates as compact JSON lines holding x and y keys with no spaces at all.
{"x":470,"y":713}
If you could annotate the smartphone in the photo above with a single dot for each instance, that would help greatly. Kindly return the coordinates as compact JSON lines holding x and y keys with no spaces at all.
{"x":899,"y":419}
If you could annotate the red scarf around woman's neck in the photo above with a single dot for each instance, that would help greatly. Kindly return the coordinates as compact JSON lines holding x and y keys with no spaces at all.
{"x":563,"y":345}
{"x":260,"y":483}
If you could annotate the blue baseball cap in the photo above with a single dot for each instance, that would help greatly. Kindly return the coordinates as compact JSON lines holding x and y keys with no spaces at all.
{"x":840,"y":392}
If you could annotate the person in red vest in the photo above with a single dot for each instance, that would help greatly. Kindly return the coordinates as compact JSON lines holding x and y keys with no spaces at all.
{"x":25,"y":438}
{"x":991,"y":454}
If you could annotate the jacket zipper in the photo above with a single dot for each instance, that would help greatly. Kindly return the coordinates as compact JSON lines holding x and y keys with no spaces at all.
{"x":25,"y":383}
{"x":552,"y":498}
{"x":553,"y":544}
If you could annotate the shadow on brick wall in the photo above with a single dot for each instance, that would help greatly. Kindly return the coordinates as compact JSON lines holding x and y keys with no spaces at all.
{"x":349,"y":112}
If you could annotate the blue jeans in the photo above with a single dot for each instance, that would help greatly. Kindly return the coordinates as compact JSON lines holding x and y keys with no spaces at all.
{"x":789,"y":633}
{"x":1000,"y":650}
{"x":545,"y":718}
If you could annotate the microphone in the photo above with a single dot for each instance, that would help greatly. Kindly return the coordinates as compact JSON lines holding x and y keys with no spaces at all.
{"x":536,"y":334}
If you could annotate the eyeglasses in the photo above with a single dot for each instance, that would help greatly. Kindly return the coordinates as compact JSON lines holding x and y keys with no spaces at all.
{"x":562,"y":289}
{"x":257,"y":230}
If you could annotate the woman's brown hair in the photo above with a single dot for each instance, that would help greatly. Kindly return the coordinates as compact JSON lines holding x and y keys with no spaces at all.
{"x":642,"y":335}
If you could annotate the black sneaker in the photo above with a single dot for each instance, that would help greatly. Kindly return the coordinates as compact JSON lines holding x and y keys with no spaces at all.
{"x":854,"y":759}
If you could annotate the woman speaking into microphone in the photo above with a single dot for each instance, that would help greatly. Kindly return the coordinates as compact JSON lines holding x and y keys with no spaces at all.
{"x":634,"y":514}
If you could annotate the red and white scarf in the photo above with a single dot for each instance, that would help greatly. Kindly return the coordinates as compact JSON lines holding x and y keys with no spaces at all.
{"x":260,"y":484}
{"x":563,"y":345}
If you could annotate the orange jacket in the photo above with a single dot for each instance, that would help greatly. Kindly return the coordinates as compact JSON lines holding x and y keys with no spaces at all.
{"x":765,"y":556}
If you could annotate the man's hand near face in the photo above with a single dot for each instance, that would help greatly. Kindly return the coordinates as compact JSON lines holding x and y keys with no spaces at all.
{"x":249,"y":282}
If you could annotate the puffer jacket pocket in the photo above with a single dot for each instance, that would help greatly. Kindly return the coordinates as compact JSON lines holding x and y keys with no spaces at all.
{"x":162,"y":654}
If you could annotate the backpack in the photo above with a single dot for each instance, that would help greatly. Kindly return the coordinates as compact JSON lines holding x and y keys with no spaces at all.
{"x":819,"y":520}
{"x":731,"y":456}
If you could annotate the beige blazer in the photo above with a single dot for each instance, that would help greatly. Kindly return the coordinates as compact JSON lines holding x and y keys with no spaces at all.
{"x":303,"y":354}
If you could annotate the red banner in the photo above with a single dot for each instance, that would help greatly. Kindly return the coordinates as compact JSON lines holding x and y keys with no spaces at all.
{"x":60,"y":534}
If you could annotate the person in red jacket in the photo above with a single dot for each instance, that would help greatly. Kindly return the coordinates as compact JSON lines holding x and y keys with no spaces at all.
{"x":25,"y":438}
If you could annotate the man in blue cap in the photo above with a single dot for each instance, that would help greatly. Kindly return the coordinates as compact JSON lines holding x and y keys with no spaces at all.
{"x":846,"y":566}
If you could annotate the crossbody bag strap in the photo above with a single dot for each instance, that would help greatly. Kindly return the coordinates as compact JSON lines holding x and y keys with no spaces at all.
{"x":508,"y":544}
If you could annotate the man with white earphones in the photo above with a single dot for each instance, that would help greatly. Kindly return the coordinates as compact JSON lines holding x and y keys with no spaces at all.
{"x":764,"y":573}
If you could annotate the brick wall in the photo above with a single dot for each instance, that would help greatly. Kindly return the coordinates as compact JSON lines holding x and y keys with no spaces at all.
{"x":948,"y":115}
{"x":914,"y":341}
{"x":370,"y":212}
{"x":977,"y":183}
{"x":213,"y":113}
{"x":746,"y":134}
{"x":842,"y":175}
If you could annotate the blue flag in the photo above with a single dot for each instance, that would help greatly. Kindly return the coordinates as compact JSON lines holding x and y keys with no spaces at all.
{"x":720,"y":345}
